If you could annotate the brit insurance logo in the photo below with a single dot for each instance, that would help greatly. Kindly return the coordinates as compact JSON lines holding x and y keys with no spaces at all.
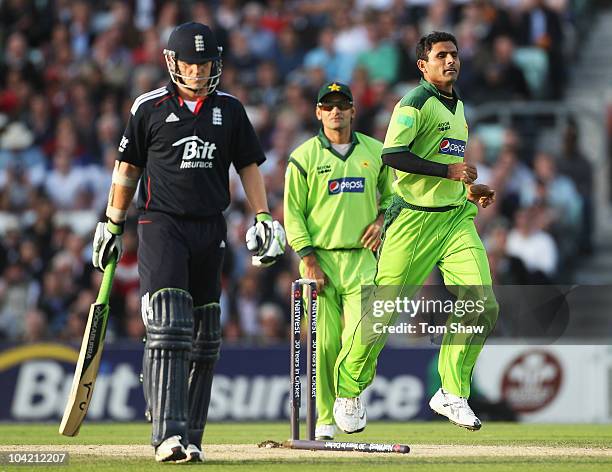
{"x":452,"y":147}
{"x":346,"y":184}
{"x":197,"y":154}
{"x":123,"y":144}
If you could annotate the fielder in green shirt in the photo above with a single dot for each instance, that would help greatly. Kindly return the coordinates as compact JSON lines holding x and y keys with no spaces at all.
{"x":429,"y":223}
{"x":336,"y":191}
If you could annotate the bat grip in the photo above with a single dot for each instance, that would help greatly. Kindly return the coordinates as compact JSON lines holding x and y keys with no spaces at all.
{"x":107,"y":282}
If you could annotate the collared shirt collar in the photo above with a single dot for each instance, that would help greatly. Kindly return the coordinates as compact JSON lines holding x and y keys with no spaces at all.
{"x":433,"y":89}
{"x":327,"y":144}
{"x":173,"y":89}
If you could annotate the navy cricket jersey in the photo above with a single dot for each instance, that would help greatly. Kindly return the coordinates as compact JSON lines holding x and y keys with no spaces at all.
{"x":186,"y":155}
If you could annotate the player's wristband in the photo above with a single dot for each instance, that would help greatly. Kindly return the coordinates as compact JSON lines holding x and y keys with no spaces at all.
{"x":116,"y":214}
{"x":263,"y":216}
{"x":305,"y":251}
{"x":115,"y":228}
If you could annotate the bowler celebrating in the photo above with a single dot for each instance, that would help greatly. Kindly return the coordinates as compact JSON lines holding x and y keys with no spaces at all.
{"x":429,"y":223}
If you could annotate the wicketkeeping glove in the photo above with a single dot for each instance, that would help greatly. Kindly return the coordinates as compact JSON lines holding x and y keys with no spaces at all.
{"x":106,"y":241}
{"x":266,"y":238}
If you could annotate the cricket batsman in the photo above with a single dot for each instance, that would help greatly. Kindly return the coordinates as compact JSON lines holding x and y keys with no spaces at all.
{"x":334,"y":222}
{"x":179,"y":143}
{"x":430,"y":222}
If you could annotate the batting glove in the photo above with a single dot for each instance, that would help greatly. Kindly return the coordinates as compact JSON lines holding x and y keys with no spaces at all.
{"x":266,"y":238}
{"x":107,"y":241}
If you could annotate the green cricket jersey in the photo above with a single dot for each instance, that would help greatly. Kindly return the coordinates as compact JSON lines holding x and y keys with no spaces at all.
{"x":424,"y":124}
{"x":330,"y":199}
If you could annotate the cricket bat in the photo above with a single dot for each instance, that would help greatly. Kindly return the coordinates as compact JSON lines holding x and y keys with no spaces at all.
{"x":89,"y":357}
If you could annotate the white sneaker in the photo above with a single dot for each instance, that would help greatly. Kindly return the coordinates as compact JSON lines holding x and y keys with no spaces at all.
{"x":350,"y":414}
{"x":194,"y":454}
{"x":325,"y":432}
{"x":170,"y":450}
{"x":456,"y":409}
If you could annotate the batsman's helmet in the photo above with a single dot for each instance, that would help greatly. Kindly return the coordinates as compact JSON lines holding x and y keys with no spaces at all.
{"x":194,"y":43}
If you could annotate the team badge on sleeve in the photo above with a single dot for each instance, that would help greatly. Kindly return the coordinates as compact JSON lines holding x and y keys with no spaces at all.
{"x":407,"y":121}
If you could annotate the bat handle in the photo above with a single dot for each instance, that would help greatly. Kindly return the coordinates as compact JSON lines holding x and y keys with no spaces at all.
{"x":107,"y":281}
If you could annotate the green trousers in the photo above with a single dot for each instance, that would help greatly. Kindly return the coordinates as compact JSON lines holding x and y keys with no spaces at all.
{"x":415,"y":241}
{"x":339,"y":311}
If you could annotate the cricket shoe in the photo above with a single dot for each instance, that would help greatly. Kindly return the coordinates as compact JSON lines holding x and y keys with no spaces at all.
{"x":350,"y":414}
{"x":325,"y":432}
{"x":456,"y":409}
{"x":170,"y":450}
{"x":194,"y":454}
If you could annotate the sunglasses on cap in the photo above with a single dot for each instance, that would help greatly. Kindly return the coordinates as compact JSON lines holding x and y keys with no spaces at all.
{"x":329,"y":106}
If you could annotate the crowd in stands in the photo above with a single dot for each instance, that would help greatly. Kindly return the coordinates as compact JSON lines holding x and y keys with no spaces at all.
{"x":70,"y":70}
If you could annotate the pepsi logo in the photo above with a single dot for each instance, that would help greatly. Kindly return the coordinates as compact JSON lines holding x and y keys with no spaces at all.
{"x":453,"y":147}
{"x":346,"y":184}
